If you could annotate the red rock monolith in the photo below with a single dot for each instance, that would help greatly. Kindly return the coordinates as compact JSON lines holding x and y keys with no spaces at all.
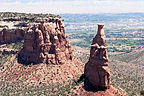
{"x":46,"y":42}
{"x":97,"y":68}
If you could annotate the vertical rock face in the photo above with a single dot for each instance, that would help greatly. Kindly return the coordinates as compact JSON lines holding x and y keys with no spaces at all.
{"x":11,"y":35}
{"x":46,"y":43}
{"x":97,"y":68}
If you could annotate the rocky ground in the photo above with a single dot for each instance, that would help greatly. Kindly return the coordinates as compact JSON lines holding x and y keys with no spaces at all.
{"x":22,"y":80}
{"x":19,"y":79}
{"x":43,"y":79}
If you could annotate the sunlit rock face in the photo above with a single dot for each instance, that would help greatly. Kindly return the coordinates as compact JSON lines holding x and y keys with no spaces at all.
{"x":46,"y":42}
{"x":97,"y":68}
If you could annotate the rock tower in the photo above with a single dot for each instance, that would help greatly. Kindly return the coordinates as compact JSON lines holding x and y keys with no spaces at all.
{"x":46,"y":42}
{"x":97,"y":68}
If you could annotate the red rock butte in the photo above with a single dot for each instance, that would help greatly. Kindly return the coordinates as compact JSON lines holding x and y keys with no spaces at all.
{"x":46,"y":42}
{"x":97,"y":68}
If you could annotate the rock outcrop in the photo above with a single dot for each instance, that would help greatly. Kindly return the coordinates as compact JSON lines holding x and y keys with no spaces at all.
{"x":46,"y":42}
{"x":11,"y":35}
{"x":97,"y":68}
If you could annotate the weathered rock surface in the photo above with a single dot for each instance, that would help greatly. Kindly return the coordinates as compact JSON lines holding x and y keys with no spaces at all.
{"x":11,"y":35}
{"x":97,"y":68}
{"x":46,"y":42}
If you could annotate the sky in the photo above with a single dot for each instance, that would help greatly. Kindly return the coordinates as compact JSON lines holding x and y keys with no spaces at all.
{"x":72,"y":6}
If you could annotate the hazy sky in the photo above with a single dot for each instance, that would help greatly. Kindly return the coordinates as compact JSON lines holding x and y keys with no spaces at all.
{"x":72,"y":6}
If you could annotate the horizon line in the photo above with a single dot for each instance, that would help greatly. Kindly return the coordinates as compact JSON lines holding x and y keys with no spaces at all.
{"x":68,"y":13}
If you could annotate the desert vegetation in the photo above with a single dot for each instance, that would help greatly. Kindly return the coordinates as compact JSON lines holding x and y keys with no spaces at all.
{"x":126,"y":68}
{"x":15,"y":78}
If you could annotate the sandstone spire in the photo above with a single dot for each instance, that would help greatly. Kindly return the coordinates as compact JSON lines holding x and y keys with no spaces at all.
{"x":97,"y":68}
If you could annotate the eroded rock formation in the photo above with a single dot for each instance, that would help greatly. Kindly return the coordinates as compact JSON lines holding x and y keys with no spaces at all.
{"x":11,"y":35}
{"x":46,"y":42}
{"x":97,"y":68}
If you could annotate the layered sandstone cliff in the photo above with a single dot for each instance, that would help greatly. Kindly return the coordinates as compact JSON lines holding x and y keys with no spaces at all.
{"x":11,"y":35}
{"x":97,"y":68}
{"x":12,"y":28}
{"x":46,"y":42}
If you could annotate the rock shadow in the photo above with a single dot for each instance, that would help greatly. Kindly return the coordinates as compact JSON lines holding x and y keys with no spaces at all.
{"x":24,"y":62}
{"x":88,"y":86}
